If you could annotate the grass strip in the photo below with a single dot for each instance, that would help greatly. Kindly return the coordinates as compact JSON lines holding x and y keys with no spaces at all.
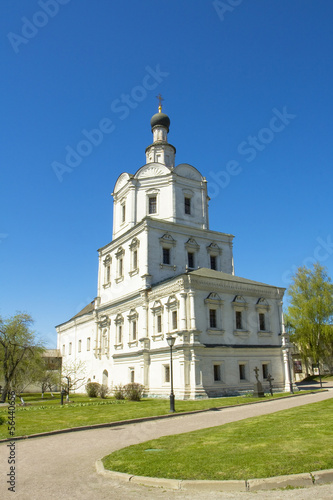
{"x":47,"y":414}
{"x":286,"y":442}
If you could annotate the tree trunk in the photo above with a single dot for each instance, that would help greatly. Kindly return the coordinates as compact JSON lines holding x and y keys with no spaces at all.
{"x":5,"y":392}
{"x":320,"y":380}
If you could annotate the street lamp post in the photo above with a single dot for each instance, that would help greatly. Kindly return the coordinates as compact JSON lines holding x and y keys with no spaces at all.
{"x":171,"y":341}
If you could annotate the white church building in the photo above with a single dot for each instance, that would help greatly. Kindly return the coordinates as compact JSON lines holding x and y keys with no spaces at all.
{"x":166,"y":273}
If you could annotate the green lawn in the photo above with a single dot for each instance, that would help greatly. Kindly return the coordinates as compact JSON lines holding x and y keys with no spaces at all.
{"x":286,"y":442}
{"x":46,"y":415}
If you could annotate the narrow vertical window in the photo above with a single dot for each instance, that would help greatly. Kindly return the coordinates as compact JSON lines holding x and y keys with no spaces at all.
{"x":217,"y":373}
{"x":159,"y":323}
{"x":70,"y":348}
{"x":212,"y":318}
{"x":262,"y":325}
{"x":166,"y":255}
{"x":152,"y":205}
{"x":190,"y":259}
{"x":242,"y":374}
{"x":63,"y":349}
{"x":88,"y":344}
{"x":132,"y":375}
{"x":265,"y":370}
{"x":174,"y":320}
{"x":213,"y":262}
{"x":79,"y":346}
{"x":134,"y":330}
{"x":135,"y":259}
{"x":187,"y":205}
{"x":108,"y":274}
{"x":121,"y":267}
{"x":120,"y":334}
{"x":238,"y":320}
{"x":166,"y":373}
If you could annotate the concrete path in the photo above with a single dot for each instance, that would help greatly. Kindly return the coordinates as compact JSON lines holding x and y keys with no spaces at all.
{"x":63,"y":466}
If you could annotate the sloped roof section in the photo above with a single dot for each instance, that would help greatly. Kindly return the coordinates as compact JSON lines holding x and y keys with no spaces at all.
{"x":210,"y":273}
{"x":86,"y":310}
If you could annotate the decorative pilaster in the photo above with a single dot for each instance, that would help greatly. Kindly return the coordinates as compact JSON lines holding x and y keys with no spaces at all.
{"x":182,"y":311}
{"x":193,"y":325}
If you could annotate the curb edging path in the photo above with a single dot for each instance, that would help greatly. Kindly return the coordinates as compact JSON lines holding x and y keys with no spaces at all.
{"x":304,"y":480}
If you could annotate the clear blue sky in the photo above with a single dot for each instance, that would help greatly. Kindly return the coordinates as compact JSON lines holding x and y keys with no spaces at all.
{"x":226,"y":77}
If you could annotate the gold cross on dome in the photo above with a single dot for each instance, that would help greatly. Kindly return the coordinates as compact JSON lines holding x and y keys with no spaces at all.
{"x":160,"y":98}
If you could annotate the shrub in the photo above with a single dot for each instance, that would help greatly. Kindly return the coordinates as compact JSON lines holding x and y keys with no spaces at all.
{"x":103,"y":391}
{"x":2,"y":420}
{"x":133,"y":391}
{"x":118,"y":392}
{"x":93,"y":389}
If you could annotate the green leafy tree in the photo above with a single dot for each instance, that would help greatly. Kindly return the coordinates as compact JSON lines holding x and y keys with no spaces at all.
{"x":310,"y":314}
{"x":18,"y":347}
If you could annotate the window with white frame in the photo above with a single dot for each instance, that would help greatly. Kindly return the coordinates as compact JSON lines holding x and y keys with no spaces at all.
{"x":120,"y":264}
{"x":152,"y":201}
{"x":88,"y":343}
{"x":157,"y":311}
{"x":262,"y":309}
{"x":240,"y":307}
{"x":174,"y":320}
{"x":190,"y":260}
{"x":133,"y":327}
{"x":187,"y":205}
{"x":63,"y":349}
{"x":152,"y":204}
{"x":159,"y":323}
{"x":131,"y":375}
{"x":134,"y":253}
{"x":123,"y":211}
{"x":192,"y":249}
{"x":238,"y":318}
{"x":167,"y":243}
{"x":213,"y":262}
{"x":172,"y":308}
{"x":70,"y":348}
{"x":107,"y":270}
{"x":214,"y":256}
{"x":214,"y":305}
{"x":212,"y":318}
{"x":119,"y":322}
{"x":166,"y":256}
{"x":79,"y":346}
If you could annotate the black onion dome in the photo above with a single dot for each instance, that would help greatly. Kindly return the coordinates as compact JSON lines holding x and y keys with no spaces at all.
{"x":160,"y":119}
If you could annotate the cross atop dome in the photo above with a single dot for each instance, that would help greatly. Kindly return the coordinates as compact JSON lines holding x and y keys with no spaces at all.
{"x":160,"y":99}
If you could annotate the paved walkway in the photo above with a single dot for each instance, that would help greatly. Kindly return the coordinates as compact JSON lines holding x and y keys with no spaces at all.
{"x":63,"y":466}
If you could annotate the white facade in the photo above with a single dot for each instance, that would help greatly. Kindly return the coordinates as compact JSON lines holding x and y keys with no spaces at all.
{"x":165,"y":272}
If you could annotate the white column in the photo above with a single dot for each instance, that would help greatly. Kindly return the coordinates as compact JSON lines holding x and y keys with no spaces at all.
{"x":285,"y":353}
